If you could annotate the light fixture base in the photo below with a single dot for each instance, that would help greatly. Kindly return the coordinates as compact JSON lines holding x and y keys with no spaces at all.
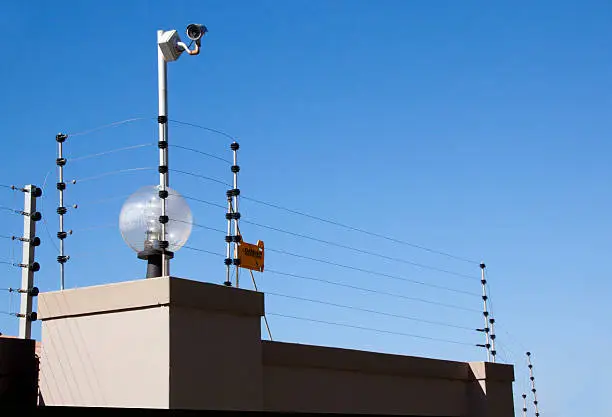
{"x":154,"y":261}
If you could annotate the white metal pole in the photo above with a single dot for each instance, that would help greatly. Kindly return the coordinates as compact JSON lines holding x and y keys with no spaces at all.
{"x":533,"y":388}
{"x":27,"y":259}
{"x":485,"y":312}
{"x":493,"y":350}
{"x":162,"y":85}
{"x":61,"y":210}
{"x":235,"y":169}
{"x":228,"y":240}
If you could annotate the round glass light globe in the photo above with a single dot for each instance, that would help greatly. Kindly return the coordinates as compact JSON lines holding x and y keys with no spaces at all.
{"x":139,"y":219}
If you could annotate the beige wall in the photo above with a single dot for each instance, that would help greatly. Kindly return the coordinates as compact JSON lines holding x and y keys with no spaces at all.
{"x":318,"y":379}
{"x":174,"y":343}
{"x":116,"y":359}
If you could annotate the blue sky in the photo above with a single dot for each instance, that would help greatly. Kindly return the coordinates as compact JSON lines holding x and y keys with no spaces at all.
{"x":473,"y":128}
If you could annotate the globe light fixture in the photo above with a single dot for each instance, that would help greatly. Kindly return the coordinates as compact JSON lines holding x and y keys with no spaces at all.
{"x":140,"y":223}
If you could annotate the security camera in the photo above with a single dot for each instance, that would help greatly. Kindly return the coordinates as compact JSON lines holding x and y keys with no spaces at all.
{"x":196,"y":31}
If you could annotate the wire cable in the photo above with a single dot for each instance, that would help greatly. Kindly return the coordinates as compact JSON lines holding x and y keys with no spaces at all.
{"x":11,"y":187}
{"x":100,"y":201}
{"x":366,"y":252}
{"x":373,"y":329}
{"x":106,"y":174}
{"x":203,"y":251}
{"x":371,"y":290}
{"x":365,"y":310}
{"x":353,"y":268}
{"x":102,"y":226}
{"x":94,"y":155}
{"x":345,"y":226}
{"x":200,"y":176}
{"x":343,"y":285}
{"x":201,"y":201}
{"x":44,"y":217}
{"x":201,"y":153}
{"x":220,"y":132}
{"x":106,"y":126}
{"x":356,"y":229}
{"x":369,"y":271}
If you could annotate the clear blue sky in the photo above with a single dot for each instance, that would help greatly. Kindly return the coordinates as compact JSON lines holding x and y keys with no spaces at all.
{"x":474,"y":128}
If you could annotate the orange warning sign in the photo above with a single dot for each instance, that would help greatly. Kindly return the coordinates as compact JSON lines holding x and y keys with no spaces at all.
{"x":251,"y":256}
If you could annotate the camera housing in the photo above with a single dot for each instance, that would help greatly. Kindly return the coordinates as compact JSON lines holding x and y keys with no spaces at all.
{"x":168,"y":45}
{"x":195,"y":31}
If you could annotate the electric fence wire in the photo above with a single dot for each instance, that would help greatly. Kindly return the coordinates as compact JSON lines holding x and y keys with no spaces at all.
{"x":363,"y":251}
{"x":335,"y":223}
{"x":98,"y":201}
{"x":11,"y":210}
{"x":350,"y":267}
{"x":197,"y":126}
{"x":365,"y":310}
{"x":111,"y":151}
{"x":348,"y":325}
{"x":109,"y":173}
{"x":42,"y":209}
{"x":371,"y":329}
{"x":356,"y":229}
{"x":137,"y":119}
{"x":144,"y":145}
{"x":106,"y":126}
{"x":339,"y":245}
{"x":349,"y":286}
{"x":276,"y":206}
{"x":273,"y":205}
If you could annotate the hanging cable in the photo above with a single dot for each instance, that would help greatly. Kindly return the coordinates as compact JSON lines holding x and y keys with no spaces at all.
{"x":203,"y":250}
{"x":83,"y":229}
{"x":106,"y":174}
{"x":203,"y":128}
{"x":201,"y":153}
{"x":356,"y":229}
{"x":114,"y":124}
{"x":365,"y":310}
{"x":343,"y":285}
{"x":366,"y":252}
{"x":332,"y":222}
{"x":373,"y":329}
{"x":200,"y":176}
{"x":201,"y":201}
{"x":265,"y":317}
{"x":11,"y":187}
{"x":371,"y":290}
{"x":126,"y":148}
{"x":353,"y":268}
{"x":42,"y":209}
{"x":368,"y":271}
{"x":99,"y":201}
{"x":12,"y":210}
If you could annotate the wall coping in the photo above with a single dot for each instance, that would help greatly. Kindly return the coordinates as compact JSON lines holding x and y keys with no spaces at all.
{"x":149,"y":293}
{"x":309,"y":356}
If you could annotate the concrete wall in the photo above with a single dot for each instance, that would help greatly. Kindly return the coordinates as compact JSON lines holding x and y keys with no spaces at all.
{"x":18,"y":373}
{"x":104,"y":347}
{"x":173,"y":343}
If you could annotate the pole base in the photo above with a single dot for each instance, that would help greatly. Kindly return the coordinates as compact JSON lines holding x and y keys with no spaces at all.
{"x":154,"y":261}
